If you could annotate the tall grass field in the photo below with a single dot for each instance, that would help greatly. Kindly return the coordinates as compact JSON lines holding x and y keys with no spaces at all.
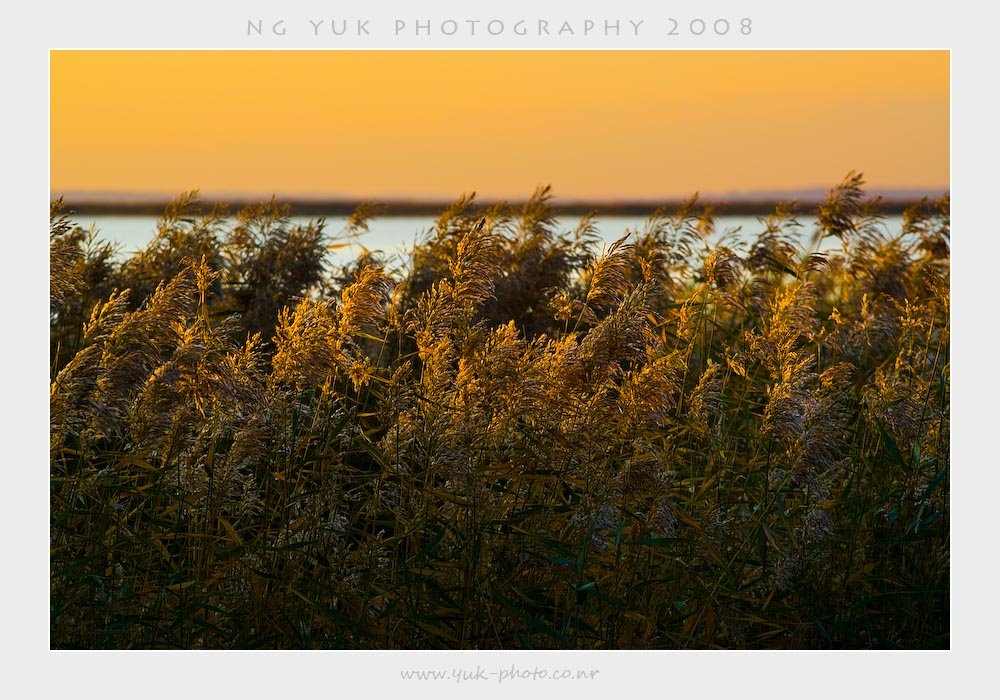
{"x":523,"y":438}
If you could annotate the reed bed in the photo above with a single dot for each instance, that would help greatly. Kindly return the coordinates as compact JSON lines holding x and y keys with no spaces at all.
{"x":522,"y":438}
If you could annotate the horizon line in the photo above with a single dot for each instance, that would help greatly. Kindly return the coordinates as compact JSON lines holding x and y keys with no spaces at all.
{"x":123,"y":202}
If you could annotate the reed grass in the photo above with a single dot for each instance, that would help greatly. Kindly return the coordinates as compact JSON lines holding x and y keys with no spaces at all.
{"x":521,"y":439}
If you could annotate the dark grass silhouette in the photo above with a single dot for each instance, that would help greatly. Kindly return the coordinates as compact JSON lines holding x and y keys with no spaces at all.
{"x":521,"y":440}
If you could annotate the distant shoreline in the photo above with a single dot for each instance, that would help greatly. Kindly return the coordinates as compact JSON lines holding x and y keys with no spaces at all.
{"x":402,"y":208}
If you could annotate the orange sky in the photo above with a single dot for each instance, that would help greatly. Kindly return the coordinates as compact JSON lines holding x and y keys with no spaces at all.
{"x":604,"y":124}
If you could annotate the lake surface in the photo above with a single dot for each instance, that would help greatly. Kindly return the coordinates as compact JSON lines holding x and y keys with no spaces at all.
{"x":395,"y":236}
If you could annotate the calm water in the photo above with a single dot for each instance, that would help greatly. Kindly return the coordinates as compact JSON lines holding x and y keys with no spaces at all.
{"x":396,"y":235}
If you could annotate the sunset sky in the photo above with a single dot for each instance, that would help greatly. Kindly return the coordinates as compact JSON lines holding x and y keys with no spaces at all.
{"x":430,"y":124}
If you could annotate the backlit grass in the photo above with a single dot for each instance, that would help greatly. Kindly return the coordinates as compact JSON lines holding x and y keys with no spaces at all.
{"x":525,"y":438}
